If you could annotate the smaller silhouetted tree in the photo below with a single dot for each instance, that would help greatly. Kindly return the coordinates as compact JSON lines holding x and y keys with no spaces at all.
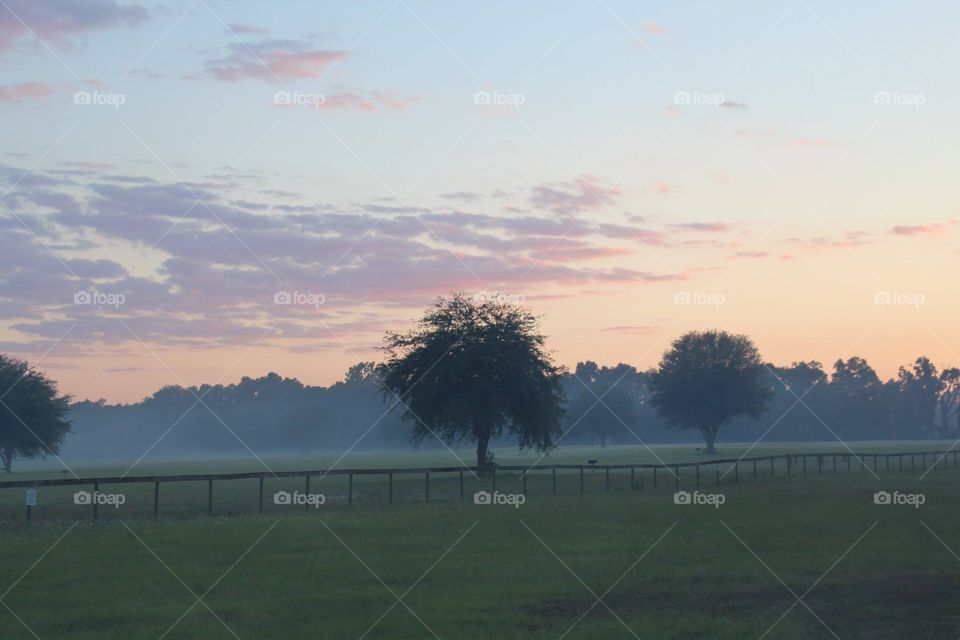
{"x":32,"y":414}
{"x":705,"y":379}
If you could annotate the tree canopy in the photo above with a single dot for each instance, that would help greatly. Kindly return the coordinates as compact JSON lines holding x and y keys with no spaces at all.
{"x":32,"y":414}
{"x":705,"y":379}
{"x":473,"y":370}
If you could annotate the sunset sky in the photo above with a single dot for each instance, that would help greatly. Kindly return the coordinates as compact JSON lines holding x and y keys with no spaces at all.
{"x":628,"y":170}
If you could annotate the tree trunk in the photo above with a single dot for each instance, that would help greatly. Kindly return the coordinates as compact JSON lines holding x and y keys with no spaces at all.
{"x":483,"y":443}
{"x":710,"y":436}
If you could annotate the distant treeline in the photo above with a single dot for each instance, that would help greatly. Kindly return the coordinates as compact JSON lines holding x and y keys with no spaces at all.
{"x":604,"y":405}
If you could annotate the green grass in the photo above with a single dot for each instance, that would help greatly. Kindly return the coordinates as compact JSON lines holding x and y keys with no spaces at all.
{"x":515,"y":573}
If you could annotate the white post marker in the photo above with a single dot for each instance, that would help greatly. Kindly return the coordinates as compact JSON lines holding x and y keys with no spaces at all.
{"x":31,"y":501}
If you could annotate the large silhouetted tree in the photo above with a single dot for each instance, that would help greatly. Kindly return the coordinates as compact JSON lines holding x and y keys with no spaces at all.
{"x":32,"y":414}
{"x":473,"y":371}
{"x":707,"y":378}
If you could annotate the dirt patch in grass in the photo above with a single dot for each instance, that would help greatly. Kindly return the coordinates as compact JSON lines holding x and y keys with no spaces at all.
{"x":895,"y":605}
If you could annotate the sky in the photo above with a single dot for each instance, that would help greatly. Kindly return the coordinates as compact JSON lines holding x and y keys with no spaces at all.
{"x":195,"y":191}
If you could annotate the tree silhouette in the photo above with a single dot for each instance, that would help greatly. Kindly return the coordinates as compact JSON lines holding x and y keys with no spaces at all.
{"x":603,"y":402}
{"x":472,"y":371}
{"x":920,"y":387}
{"x":32,"y":415}
{"x":707,"y":378}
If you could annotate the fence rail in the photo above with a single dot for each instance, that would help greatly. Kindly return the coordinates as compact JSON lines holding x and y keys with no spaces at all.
{"x":794,"y":463}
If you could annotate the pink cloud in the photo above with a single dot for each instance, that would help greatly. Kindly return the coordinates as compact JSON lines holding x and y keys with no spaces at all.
{"x":353,"y":101}
{"x":849,"y":239}
{"x":271,"y":61}
{"x":26,"y":91}
{"x":61,"y":21}
{"x":663,"y":186}
{"x":585,"y":192}
{"x":922,"y":229}
{"x":652,"y":27}
{"x":390,"y":100}
{"x":705,"y":227}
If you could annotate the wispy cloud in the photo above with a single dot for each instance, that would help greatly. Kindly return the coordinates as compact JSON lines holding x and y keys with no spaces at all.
{"x":27,"y":92}
{"x":271,"y":61}
{"x":61,"y":22}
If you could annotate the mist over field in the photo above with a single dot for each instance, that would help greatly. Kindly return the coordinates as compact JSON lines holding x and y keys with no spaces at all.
{"x":275,"y":416}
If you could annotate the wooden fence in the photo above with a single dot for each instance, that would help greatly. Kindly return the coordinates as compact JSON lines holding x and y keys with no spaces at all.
{"x":799,"y":464}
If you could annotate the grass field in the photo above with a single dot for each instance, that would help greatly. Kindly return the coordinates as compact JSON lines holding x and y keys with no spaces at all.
{"x":452,"y":569}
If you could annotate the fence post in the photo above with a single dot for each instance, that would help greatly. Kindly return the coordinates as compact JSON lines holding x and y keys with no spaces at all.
{"x":847,"y":456}
{"x":804,"y":465}
{"x":554,"y":470}
{"x":632,"y":479}
{"x":390,"y":486}
{"x":426,"y":480}
{"x":210,"y":497}
{"x":820,"y":465}
{"x":96,"y":490}
{"x":156,"y":498}
{"x":834,"y":463}
{"x":771,"y":466}
{"x":581,"y":479}
{"x":654,"y":477}
{"x":874,"y":463}
{"x":676,"y":476}
{"x":736,"y":472}
{"x":754,"y":469}
{"x":350,"y":488}
{"x":260,"y":499}
{"x":524,"y":478}
{"x":718,"y":476}
{"x":698,"y":476}
{"x":461,"y":484}
{"x":494,"y":478}
{"x":789,"y":464}
{"x":608,"y":479}
{"x":306,"y":490}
